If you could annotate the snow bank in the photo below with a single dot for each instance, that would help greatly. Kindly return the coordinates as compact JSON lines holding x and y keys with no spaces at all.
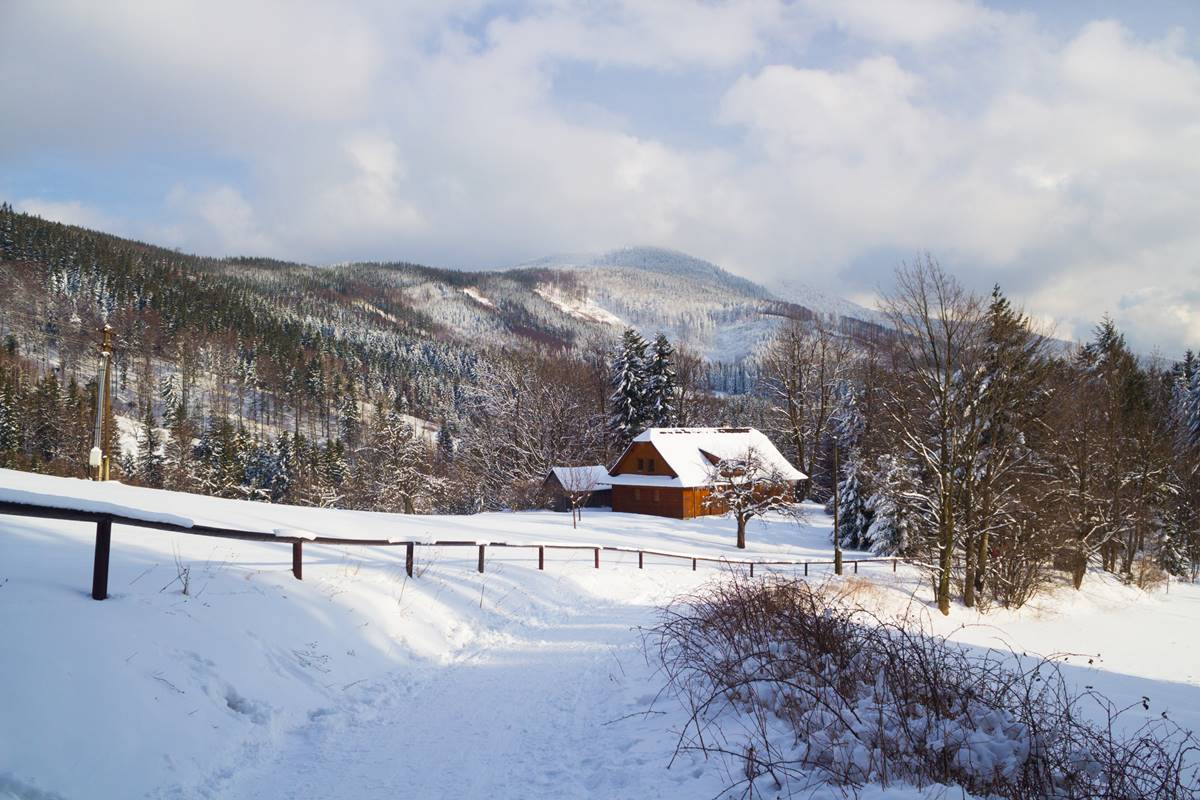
{"x":359,"y":682}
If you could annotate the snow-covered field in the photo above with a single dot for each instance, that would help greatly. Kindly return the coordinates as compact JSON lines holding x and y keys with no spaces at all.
{"x":359,"y":682}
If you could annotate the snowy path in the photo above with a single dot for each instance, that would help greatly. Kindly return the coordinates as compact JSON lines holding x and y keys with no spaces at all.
{"x":544,"y":712}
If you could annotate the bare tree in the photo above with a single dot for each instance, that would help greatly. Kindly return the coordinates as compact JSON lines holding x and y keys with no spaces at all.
{"x":800,"y":369}
{"x":578,"y":483}
{"x":938,"y":323}
{"x":747,"y":486}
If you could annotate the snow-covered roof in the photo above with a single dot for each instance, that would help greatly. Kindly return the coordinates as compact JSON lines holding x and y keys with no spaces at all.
{"x":582,"y":478}
{"x":686,"y":451}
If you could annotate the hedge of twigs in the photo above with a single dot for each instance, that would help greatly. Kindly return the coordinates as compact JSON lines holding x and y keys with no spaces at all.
{"x":797,"y":686}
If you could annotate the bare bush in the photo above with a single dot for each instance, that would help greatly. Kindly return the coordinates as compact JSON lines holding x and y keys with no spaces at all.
{"x":1148,"y":574}
{"x":798,"y":686}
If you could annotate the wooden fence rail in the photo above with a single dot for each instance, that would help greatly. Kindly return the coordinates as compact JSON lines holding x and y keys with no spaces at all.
{"x":104,"y":522}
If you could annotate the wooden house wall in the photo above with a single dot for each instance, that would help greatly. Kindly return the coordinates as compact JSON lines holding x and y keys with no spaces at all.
{"x":647,"y":452}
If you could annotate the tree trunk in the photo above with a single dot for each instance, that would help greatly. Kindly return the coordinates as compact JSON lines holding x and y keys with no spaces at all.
{"x":741,"y":532}
{"x":981,"y":562}
{"x":837,"y":534}
{"x":969,"y":568}
{"x":945,"y":558}
{"x":1079,"y":569}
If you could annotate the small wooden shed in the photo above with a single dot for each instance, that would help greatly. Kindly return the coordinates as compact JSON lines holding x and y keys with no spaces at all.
{"x":562,"y":482}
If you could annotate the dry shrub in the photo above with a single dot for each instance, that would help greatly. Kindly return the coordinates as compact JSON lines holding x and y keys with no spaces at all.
{"x":1148,"y":574}
{"x":799,"y":686}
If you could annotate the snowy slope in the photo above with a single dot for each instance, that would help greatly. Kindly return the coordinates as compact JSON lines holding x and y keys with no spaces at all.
{"x":722,"y":316}
{"x":360,"y":683}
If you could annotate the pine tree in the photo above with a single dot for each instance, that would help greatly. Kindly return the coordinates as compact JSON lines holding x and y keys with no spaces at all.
{"x":8,"y":427}
{"x":892,"y":530}
{"x":846,"y":428}
{"x":349,"y":418}
{"x":402,"y":479}
{"x":150,"y":468}
{"x":661,"y":384}
{"x":168,"y":395}
{"x":630,"y":415}
{"x":287,"y":469}
{"x":855,"y":517}
{"x":445,"y":440}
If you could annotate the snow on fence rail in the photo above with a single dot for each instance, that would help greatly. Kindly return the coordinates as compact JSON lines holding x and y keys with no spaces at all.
{"x":297,"y":538}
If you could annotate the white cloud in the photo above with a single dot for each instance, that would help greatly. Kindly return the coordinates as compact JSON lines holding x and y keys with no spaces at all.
{"x":914,"y":22}
{"x":71,"y":212}
{"x":224,"y":215}
{"x":1064,"y":168}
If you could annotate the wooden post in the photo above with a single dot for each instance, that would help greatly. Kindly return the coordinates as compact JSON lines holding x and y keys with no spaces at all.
{"x":751,"y":569}
{"x":297,"y":569}
{"x":596,"y":555}
{"x":693,"y":565}
{"x":893,"y":565}
{"x":408,"y":559}
{"x":100,"y":565}
{"x":856,"y":567}
{"x":481,"y":547}
{"x":806,"y":569}
{"x":541,"y":557}
{"x":639,"y":559}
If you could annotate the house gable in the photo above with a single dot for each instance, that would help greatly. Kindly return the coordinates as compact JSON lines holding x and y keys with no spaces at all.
{"x":642,"y":458}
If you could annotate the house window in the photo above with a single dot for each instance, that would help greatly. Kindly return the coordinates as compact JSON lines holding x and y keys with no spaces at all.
{"x":652,"y":465}
{"x":641,"y":465}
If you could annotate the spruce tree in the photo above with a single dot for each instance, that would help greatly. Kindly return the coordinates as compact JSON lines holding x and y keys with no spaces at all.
{"x":846,"y":428}
{"x":349,"y":418}
{"x":629,"y":398}
{"x":661,"y":384}
{"x":150,"y":468}
{"x":8,"y":427}
{"x":892,"y":530}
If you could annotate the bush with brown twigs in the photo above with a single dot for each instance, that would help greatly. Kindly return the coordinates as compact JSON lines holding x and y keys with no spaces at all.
{"x":798,"y":687}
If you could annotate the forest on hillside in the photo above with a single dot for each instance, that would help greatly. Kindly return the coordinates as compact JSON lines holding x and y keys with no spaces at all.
{"x":961,"y":436}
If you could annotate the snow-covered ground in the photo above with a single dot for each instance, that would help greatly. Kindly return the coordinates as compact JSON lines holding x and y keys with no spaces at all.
{"x":359,"y":682}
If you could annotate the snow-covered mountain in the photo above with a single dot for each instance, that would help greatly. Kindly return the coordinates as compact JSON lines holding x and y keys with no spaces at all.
{"x":719,"y":315}
{"x":804,"y":294}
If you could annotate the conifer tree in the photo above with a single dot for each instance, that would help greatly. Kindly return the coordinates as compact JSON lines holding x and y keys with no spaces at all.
{"x":893,"y":529}
{"x":349,"y":418}
{"x":150,"y":469}
{"x":630,"y":415}
{"x":846,"y":428}
{"x":661,"y":399}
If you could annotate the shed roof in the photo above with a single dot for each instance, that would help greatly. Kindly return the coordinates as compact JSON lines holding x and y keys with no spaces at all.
{"x":584,"y":478}
{"x":686,"y":451}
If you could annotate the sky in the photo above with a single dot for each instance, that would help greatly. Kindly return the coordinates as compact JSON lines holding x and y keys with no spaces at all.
{"x":1050,"y":147}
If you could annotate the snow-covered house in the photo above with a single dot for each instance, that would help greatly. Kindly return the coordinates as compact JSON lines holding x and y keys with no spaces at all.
{"x":668,"y":471}
{"x":563,"y":482}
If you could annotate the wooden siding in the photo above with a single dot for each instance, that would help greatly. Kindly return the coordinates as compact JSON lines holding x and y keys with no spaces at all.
{"x":665,"y":501}
{"x":668,"y":501}
{"x":646,"y":453}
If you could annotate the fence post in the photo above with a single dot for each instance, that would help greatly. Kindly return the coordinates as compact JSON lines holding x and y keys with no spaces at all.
{"x":596,"y":557}
{"x":639,"y":559}
{"x":806,"y":569}
{"x":541,"y":557}
{"x":297,"y":567}
{"x":893,"y":565}
{"x":100,"y":565}
{"x":481,"y":557}
{"x":751,"y":569}
{"x":693,"y":565}
{"x":855,"y":567}
{"x":408,"y":559}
